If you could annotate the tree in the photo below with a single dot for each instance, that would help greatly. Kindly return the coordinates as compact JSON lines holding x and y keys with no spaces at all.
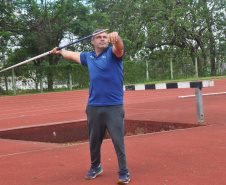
{"x":189,"y":25}
{"x":6,"y":17}
{"x":122,"y":17}
{"x":40,"y":26}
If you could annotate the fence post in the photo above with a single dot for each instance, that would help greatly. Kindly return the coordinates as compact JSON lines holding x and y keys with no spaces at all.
{"x":41,"y":84}
{"x":147,"y":73}
{"x":13,"y":82}
{"x":6,"y":84}
{"x":171,"y":68}
{"x":196,"y":68}
{"x":70,"y":81}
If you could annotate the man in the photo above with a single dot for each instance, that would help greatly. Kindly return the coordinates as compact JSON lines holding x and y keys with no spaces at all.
{"x":105,"y":103}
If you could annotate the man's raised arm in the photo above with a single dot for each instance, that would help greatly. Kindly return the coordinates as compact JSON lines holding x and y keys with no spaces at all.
{"x":118,"y":47}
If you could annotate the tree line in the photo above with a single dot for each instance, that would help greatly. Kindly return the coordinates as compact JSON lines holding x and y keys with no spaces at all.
{"x":151,"y":29}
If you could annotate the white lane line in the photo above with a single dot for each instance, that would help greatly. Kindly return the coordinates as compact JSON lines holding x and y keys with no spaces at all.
{"x":203,"y":95}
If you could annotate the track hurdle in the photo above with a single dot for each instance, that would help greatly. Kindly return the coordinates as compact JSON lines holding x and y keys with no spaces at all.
{"x":198,"y":85}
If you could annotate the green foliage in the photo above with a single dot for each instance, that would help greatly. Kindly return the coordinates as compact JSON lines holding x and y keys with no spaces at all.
{"x":59,"y":74}
{"x":153,"y":31}
{"x":134,"y":72}
{"x":2,"y":91}
{"x":41,"y":26}
{"x":146,"y":26}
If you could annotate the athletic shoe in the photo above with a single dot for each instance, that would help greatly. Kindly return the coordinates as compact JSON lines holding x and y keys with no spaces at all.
{"x":124,"y":178}
{"x":93,"y":172}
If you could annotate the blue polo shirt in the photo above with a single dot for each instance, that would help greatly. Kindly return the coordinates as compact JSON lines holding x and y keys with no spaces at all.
{"x":106,"y":77}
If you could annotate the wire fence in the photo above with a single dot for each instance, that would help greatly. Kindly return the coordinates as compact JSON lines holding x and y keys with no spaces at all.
{"x":74,"y":76}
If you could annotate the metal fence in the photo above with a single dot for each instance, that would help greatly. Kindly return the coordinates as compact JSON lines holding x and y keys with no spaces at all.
{"x":74,"y":76}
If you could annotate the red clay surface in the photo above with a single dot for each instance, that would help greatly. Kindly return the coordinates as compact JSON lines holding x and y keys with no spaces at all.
{"x":193,"y":156}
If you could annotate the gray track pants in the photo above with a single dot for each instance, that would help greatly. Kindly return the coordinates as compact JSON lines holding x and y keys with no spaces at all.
{"x":100,"y":118}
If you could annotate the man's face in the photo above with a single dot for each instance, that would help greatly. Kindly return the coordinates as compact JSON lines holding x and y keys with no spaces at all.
{"x":100,"y":41}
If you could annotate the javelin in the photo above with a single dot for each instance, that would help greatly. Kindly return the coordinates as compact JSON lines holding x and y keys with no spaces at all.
{"x":49,"y":52}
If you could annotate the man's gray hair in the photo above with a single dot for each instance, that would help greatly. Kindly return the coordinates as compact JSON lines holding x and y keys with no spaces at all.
{"x":96,"y":31}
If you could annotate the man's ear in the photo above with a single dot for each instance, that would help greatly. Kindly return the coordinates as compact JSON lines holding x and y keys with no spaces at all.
{"x":92,"y":41}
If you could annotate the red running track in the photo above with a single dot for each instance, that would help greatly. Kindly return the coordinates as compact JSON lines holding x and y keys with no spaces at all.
{"x":155,"y":105}
{"x":192,"y":156}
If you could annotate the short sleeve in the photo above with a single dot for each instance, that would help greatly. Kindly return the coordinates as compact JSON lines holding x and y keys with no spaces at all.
{"x":83,"y":59}
{"x":115,"y":57}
